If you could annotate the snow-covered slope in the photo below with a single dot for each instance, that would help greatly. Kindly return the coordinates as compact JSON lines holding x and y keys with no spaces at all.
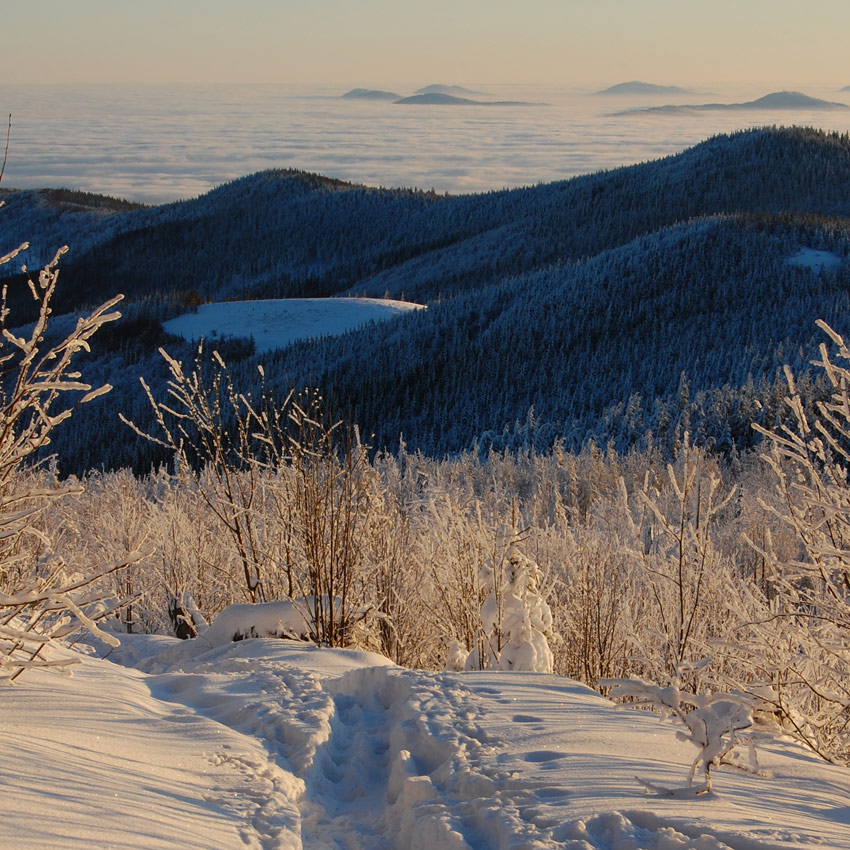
{"x":275,"y":324}
{"x":271,"y":744}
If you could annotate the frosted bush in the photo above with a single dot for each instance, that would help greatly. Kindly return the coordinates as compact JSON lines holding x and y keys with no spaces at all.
{"x":42,"y":597}
{"x":714,"y":723}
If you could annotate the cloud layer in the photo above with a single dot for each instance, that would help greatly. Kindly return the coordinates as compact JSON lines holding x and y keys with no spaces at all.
{"x":162,"y":143}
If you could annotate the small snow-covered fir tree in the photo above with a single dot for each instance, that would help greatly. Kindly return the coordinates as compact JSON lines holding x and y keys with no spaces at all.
{"x":456,"y":657}
{"x":516,"y":621}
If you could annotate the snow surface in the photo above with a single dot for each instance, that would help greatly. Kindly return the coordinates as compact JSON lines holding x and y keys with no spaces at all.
{"x":815,"y":260}
{"x":268,"y":744}
{"x":277,"y":323}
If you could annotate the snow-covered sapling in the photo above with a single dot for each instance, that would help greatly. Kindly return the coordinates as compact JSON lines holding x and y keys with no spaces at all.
{"x":714,"y":723}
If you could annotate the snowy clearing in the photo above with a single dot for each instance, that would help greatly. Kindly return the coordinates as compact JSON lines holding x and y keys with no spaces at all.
{"x":815,"y":260}
{"x":274,"y":744}
{"x":277,"y":323}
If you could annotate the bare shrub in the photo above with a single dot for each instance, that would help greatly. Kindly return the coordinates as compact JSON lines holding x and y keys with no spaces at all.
{"x":333,"y":493}
{"x":41,"y":597}
{"x":596,"y":605}
{"x":291,"y":487}
{"x":687,"y":577}
{"x":209,"y":427}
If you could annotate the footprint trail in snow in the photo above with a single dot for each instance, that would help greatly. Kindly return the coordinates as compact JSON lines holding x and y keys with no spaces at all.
{"x":363,"y":755}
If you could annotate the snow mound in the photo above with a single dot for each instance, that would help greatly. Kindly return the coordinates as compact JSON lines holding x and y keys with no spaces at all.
{"x":289,"y":619}
{"x":277,"y":323}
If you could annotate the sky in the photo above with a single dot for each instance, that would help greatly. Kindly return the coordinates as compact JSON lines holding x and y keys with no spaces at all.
{"x":380,"y":43}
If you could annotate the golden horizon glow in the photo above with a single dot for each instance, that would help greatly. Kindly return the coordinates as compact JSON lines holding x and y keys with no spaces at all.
{"x":378,"y":43}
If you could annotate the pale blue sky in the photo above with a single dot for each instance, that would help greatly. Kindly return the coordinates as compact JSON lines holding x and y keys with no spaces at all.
{"x":380,"y":43}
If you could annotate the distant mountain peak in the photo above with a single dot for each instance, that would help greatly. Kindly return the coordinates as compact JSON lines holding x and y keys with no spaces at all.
{"x":456,"y":91}
{"x":775,"y":100}
{"x":792,"y":100}
{"x":639,"y":87}
{"x":370,"y":94}
{"x":440,"y":99}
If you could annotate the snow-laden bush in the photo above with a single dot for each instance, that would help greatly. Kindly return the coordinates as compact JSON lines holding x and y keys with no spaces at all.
{"x":42,"y":597}
{"x":714,"y":723}
{"x":289,"y":618}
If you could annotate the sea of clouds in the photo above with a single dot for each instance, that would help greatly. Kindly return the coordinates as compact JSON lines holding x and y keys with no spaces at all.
{"x":161,"y":143}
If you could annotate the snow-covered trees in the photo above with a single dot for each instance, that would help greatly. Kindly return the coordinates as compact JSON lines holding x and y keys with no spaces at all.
{"x":638,"y":275}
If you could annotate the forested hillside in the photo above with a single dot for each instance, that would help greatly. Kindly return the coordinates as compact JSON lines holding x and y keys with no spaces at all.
{"x":654,"y":298}
{"x":681,"y":329}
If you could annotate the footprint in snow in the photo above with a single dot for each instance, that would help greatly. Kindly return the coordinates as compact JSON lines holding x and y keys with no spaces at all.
{"x":539,"y":756}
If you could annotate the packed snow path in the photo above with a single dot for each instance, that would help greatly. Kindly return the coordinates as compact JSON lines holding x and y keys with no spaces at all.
{"x":272,"y":745}
{"x":363,"y":755}
{"x":386,"y":758}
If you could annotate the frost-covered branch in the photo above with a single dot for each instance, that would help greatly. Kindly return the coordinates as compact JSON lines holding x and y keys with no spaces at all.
{"x":41,"y":599}
{"x":802,"y":642}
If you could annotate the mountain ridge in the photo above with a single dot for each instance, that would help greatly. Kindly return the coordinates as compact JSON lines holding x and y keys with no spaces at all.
{"x":311,"y":235}
{"x":774,"y":100}
{"x":535,"y":295}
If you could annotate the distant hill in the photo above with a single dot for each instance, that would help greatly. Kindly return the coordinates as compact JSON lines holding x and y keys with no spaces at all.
{"x":457,"y":91}
{"x":790,"y":100}
{"x":638,"y":87}
{"x":846,"y":88}
{"x":587,"y":299}
{"x":438,"y":99}
{"x":370,"y":94}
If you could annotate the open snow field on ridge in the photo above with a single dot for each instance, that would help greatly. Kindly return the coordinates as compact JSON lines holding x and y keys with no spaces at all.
{"x":272,"y":745}
{"x":276,"y":323}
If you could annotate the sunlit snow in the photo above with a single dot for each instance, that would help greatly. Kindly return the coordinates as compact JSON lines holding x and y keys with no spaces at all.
{"x":279,"y":744}
{"x":275,"y":324}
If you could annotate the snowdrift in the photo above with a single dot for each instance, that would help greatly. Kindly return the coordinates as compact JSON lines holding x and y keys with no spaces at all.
{"x":275,"y":744}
